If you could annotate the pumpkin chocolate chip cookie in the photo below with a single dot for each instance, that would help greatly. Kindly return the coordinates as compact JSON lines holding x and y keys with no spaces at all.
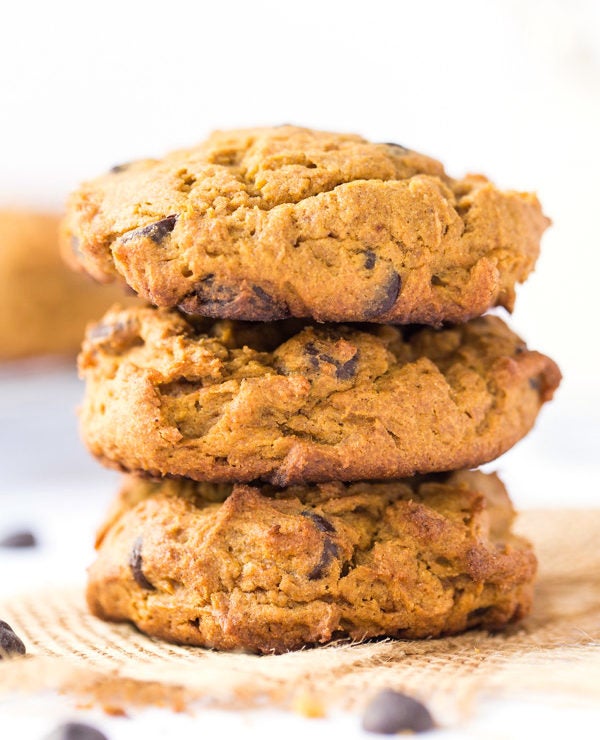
{"x":291,"y":402}
{"x":267,"y":570}
{"x":264,"y":224}
{"x":44,"y":306}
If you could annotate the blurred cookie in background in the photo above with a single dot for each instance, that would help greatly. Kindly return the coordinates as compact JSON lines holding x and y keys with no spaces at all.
{"x":44,"y":307}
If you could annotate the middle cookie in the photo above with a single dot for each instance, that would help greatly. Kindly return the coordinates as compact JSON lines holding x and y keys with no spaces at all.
{"x":290,"y":402}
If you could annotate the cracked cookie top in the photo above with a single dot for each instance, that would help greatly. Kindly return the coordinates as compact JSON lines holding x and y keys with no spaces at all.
{"x":292,"y":401}
{"x":258,"y":568}
{"x":263,"y":224}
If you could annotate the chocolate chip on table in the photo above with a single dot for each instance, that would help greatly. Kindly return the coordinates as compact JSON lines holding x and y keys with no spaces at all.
{"x":23,"y":538}
{"x":390,"y":712}
{"x":75,"y":731}
{"x":135,"y":563}
{"x":10,"y":644}
{"x":157,"y":231}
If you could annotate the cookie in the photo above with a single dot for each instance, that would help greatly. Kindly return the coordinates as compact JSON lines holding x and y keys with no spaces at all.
{"x":256,"y":568}
{"x":290,"y":402}
{"x":263,"y":224}
{"x":44,"y":306}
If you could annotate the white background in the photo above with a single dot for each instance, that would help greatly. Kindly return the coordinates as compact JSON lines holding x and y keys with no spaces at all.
{"x":510,"y":89}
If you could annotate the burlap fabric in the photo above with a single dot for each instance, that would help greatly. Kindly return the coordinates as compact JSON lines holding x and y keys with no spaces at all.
{"x":556,"y":649}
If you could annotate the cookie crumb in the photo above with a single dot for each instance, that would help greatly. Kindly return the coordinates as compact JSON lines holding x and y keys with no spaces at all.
{"x":308,"y":705}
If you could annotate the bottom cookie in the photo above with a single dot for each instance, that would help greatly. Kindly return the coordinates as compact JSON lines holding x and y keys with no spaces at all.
{"x":262,"y":569}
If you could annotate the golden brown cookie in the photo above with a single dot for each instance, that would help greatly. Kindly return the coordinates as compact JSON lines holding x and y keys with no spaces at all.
{"x":268,"y":570}
{"x":289,"y":402}
{"x":262,"y":224}
{"x":44,"y":307}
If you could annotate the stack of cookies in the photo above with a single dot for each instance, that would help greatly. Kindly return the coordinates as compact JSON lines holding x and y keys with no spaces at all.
{"x":299,"y":407}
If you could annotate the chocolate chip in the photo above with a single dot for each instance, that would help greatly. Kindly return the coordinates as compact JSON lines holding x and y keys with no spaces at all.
{"x":330,"y":551}
{"x":535,"y":384}
{"x":10,"y":644}
{"x":348,"y":369}
{"x":76,"y":731}
{"x":245,"y":302}
{"x":480,"y":612}
{"x":397,"y":146}
{"x":119,"y":168}
{"x":370,"y":259}
{"x":322,"y":524}
{"x":343,"y":370}
{"x":157,"y":231}
{"x":25,"y":538}
{"x":390,"y":712}
{"x":135,"y":563}
{"x":435,"y":280}
{"x":385,"y":297}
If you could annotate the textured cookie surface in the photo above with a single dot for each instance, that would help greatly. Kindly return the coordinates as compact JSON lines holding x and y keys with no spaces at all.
{"x":275,"y":569}
{"x":44,"y":307}
{"x":289,"y":402}
{"x":262,"y":224}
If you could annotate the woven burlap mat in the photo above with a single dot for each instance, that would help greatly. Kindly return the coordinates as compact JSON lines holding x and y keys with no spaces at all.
{"x":556,"y":649}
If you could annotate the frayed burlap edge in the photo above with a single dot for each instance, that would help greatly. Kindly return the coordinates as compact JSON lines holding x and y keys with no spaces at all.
{"x":557,"y":649}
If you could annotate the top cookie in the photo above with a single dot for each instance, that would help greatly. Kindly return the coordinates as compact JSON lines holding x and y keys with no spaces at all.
{"x":262,"y":224}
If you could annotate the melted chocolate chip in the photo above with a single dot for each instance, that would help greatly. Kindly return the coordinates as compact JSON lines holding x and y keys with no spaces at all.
{"x":313,"y":355}
{"x":480,"y":612}
{"x":322,"y":524}
{"x":390,"y":712}
{"x":397,"y":146}
{"x":244,"y":302}
{"x":385,"y":298}
{"x":10,"y":644}
{"x":157,"y":232}
{"x":119,"y":168}
{"x":135,"y":563}
{"x":370,"y":259}
{"x":435,"y":280}
{"x":343,"y":370}
{"x":330,"y":551}
{"x":24,"y":538}
{"x":535,"y":384}
{"x":75,"y":731}
{"x":348,"y":369}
